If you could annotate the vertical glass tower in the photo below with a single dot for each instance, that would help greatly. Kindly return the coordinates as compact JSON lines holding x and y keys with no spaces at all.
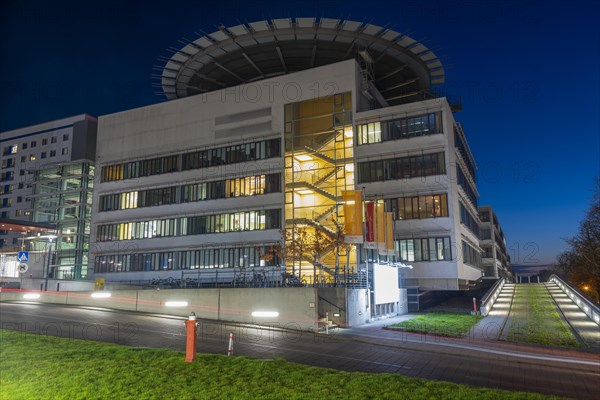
{"x":63,"y":196}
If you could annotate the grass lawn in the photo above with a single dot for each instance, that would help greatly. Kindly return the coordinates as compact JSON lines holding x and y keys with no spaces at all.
{"x":535,"y":320}
{"x":43,"y":367}
{"x":439,"y":323}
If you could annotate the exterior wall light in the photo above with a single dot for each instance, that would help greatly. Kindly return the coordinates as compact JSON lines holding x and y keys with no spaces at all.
{"x":31,"y":296}
{"x":265,"y":314}
{"x":176,"y":303}
{"x":101,"y":295}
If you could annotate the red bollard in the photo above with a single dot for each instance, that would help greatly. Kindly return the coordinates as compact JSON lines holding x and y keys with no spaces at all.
{"x":474,"y":306}
{"x":230,"y":348}
{"x":190,"y":332}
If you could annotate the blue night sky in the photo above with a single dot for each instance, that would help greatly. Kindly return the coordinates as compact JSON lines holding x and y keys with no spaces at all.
{"x":528,"y":74}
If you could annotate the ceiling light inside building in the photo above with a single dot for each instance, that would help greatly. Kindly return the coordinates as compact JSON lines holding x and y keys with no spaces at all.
{"x":303,"y":157}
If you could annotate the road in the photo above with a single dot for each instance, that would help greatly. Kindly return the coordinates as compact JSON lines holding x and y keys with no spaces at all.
{"x":368,"y":349}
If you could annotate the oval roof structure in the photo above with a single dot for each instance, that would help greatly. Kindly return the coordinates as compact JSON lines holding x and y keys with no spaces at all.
{"x":399,"y":66}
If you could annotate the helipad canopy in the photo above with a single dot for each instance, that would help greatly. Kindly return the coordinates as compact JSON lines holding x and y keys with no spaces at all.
{"x":402,"y":67}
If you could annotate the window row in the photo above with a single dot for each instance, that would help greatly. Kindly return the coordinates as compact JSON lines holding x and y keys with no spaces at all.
{"x":402,"y":168}
{"x":485,"y":234}
{"x":429,"y":206}
{"x":468,"y":220}
{"x":246,"y":257}
{"x":184,"y":226}
{"x":426,"y":249}
{"x":231,"y":154}
{"x":194,"y":160}
{"x":13,"y":149}
{"x":470,"y":255}
{"x":463,"y":182}
{"x":237,"y":187}
{"x":462,"y":148}
{"x":404,"y":128}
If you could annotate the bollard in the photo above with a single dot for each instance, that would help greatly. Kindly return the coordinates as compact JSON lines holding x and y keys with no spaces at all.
{"x":230,"y":348}
{"x":327,"y":323}
{"x":190,"y":332}
{"x":474,"y":306}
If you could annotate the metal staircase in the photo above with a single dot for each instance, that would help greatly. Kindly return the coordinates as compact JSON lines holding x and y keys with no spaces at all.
{"x":322,"y":192}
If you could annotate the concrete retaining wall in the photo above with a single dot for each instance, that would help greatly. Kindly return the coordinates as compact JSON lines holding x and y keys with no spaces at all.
{"x":350,"y":304}
{"x":297,"y":307}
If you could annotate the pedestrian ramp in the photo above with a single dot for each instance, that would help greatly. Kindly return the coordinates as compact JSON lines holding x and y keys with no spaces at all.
{"x":490,"y":328}
{"x":501,"y":307}
{"x":580,"y":314}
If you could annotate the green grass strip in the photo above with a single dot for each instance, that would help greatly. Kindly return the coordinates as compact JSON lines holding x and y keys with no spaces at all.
{"x":41,"y":367}
{"x":439,"y":323}
{"x":534,"y":318}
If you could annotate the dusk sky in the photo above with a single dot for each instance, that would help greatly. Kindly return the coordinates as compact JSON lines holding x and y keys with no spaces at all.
{"x":528,"y":74}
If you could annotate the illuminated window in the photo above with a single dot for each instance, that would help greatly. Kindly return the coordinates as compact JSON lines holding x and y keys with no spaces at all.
{"x":425,"y":249}
{"x":404,"y":128}
{"x":427,"y":206}
{"x":220,"y":223}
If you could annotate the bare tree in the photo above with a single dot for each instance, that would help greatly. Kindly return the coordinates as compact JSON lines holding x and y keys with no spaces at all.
{"x":581,"y":263}
{"x":317,"y":245}
{"x":296,"y":243}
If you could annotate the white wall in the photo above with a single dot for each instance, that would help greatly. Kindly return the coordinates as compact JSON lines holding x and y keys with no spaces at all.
{"x":248,"y":112}
{"x":297,"y":307}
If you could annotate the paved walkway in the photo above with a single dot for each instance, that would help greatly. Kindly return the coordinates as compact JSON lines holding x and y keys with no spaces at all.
{"x":587,"y":330}
{"x":494,"y":326}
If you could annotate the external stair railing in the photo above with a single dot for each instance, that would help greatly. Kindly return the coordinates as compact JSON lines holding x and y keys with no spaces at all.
{"x":590,"y":309}
{"x":489,"y":299}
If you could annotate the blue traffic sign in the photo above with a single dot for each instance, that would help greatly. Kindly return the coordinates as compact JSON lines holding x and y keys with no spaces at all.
{"x":23,"y":256}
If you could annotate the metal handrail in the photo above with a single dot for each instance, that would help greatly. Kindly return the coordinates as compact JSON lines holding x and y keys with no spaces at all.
{"x":590,"y":309}
{"x":491,"y":295}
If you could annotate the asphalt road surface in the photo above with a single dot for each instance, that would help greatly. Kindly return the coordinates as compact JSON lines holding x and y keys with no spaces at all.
{"x":367,"y":349}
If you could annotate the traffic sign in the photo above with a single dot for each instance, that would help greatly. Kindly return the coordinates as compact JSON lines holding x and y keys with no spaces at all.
{"x":23,"y":256}
{"x":23,"y":268}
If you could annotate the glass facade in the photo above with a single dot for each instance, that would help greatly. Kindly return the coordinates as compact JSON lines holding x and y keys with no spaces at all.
{"x":247,"y":257}
{"x":236,"y":187}
{"x":404,"y":128}
{"x":464,"y":183}
{"x":469,"y":220}
{"x":471,"y":255}
{"x":416,"y":207}
{"x":194,"y":160}
{"x":63,"y":196}
{"x":197,"y":225}
{"x":402,"y":168}
{"x":425,"y":249}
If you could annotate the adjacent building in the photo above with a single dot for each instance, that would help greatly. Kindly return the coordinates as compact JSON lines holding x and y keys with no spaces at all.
{"x":495,"y":257}
{"x":267,"y":125}
{"x":47,"y":180}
